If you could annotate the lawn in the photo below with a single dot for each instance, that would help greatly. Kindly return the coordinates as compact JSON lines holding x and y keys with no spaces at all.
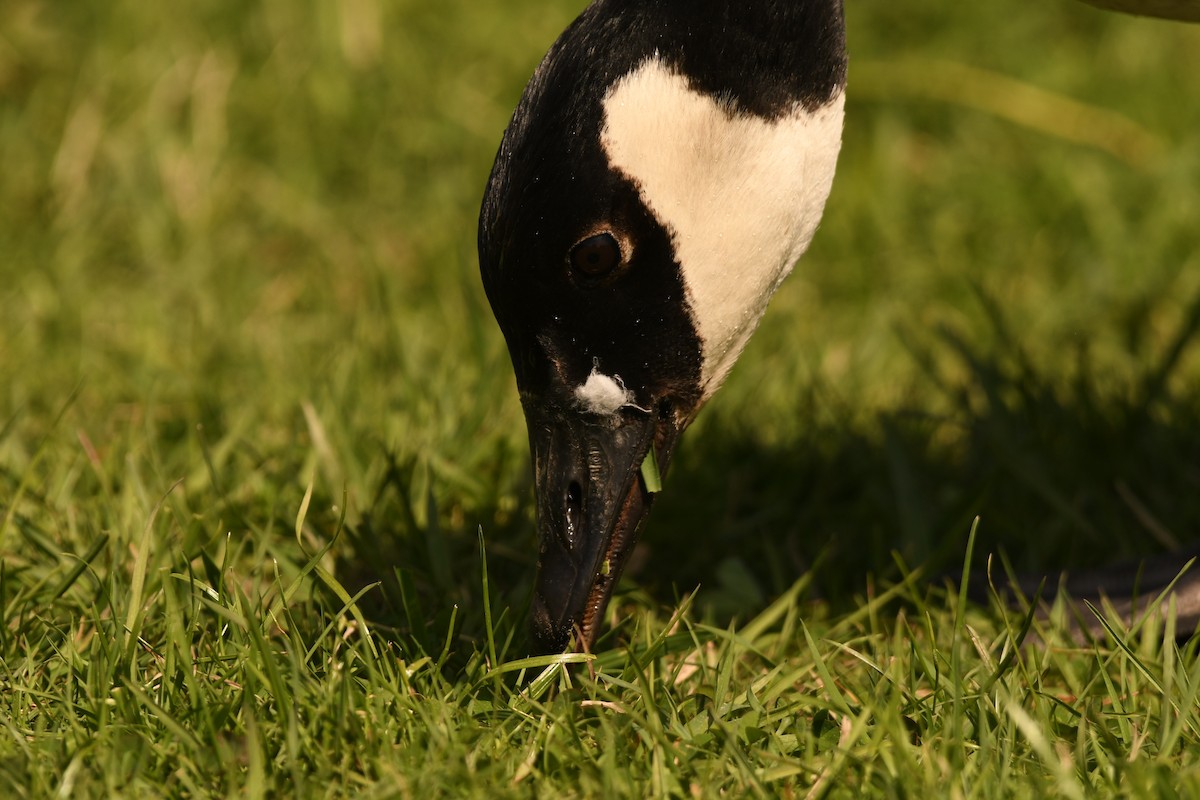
{"x":266,"y":519}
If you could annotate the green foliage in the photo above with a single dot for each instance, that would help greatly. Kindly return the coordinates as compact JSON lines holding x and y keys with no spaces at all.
{"x":254,"y":414}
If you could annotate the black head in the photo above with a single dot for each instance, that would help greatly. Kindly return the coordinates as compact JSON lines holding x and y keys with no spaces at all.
{"x":622,"y":304}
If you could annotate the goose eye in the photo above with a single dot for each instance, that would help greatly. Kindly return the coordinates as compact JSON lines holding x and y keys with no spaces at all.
{"x":596,"y":256}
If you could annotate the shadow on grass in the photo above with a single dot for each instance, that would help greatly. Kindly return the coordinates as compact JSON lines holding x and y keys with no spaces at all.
{"x":1064,"y":471}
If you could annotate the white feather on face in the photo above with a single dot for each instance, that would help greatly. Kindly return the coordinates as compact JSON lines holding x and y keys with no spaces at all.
{"x":741,"y":195}
{"x":602,"y":394}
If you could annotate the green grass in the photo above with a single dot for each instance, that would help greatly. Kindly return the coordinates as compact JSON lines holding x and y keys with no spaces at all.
{"x":254,"y":416}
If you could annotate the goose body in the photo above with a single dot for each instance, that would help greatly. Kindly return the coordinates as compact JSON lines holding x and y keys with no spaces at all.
{"x":666,"y":166}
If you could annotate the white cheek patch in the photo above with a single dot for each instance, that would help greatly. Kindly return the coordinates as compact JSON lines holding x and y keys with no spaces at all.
{"x":601,"y":394}
{"x":741,"y":195}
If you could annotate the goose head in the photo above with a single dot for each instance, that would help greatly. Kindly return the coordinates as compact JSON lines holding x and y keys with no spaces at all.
{"x":666,"y":166}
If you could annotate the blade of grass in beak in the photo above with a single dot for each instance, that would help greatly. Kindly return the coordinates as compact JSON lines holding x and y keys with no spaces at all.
{"x":650,"y":474}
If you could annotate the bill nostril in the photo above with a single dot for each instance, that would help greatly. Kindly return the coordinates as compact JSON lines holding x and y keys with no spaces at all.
{"x":573,"y":514}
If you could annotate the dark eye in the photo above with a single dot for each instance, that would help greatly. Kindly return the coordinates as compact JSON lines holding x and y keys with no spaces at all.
{"x":596,"y":256}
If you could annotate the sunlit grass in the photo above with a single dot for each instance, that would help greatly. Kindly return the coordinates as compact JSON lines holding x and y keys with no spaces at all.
{"x":255,"y":415}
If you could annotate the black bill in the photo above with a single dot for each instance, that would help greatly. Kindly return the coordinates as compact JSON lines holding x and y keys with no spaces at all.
{"x":591,"y":501}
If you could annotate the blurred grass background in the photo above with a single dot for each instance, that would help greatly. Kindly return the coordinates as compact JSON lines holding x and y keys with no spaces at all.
{"x":237,"y":251}
{"x":239,"y":248}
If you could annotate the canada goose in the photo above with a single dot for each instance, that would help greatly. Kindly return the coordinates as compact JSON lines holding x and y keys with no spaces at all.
{"x":668,"y":163}
{"x":666,"y":166}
